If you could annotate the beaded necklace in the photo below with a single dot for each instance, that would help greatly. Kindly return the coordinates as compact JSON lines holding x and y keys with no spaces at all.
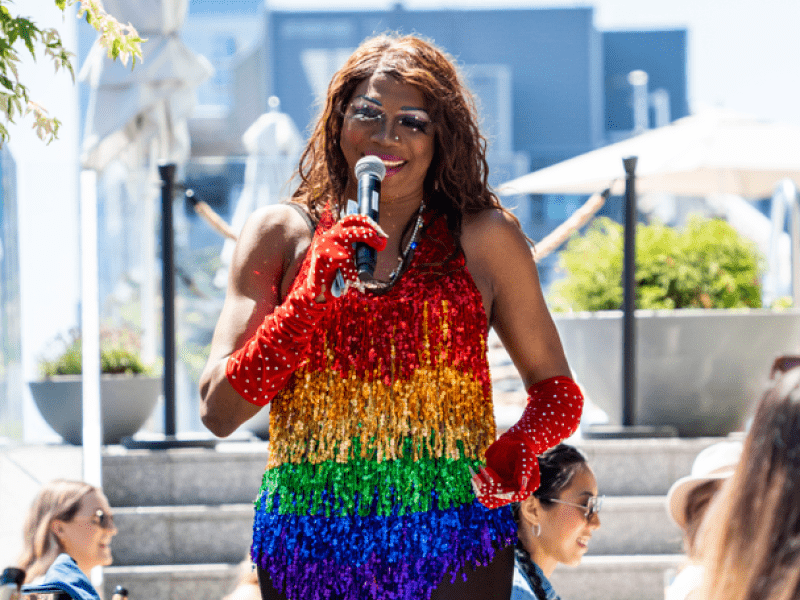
{"x":381,"y":287}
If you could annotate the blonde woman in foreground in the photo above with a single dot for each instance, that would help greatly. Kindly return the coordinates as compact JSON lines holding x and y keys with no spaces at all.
{"x":67,"y":517}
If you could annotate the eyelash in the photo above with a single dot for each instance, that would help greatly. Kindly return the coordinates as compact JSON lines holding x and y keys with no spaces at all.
{"x":414,"y":123}
{"x":367,"y":113}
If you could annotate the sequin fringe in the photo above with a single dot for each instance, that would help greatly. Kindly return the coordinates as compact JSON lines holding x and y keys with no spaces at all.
{"x":442,"y":412}
{"x":367,"y":492}
{"x":359,"y":558}
{"x":408,"y":484}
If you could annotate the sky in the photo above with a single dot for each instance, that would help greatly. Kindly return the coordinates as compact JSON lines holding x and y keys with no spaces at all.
{"x":743,"y":55}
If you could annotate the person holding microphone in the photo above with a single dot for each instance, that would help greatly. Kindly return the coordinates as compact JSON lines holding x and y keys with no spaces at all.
{"x":385,"y":478}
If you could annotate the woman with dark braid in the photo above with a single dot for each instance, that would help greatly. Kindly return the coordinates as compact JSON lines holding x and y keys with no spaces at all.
{"x":555,"y":523}
{"x":384,"y":477}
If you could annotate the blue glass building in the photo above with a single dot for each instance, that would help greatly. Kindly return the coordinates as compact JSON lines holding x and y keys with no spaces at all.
{"x":550,"y":85}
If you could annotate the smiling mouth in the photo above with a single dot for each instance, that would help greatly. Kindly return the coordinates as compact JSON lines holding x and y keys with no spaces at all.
{"x":392,"y":163}
{"x":583,"y":542}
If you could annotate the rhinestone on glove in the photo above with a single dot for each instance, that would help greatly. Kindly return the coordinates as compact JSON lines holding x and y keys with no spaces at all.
{"x":511,"y":474}
{"x":262,"y":366}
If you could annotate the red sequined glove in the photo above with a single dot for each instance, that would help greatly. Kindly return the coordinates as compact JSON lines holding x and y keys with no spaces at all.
{"x":512,"y":467}
{"x":259,"y":369}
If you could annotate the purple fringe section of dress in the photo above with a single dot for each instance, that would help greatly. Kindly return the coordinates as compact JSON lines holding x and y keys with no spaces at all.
{"x":361,"y":558}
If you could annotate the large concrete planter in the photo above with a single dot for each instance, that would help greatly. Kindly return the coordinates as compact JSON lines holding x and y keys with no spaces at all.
{"x":697,"y":370}
{"x":127,"y":401}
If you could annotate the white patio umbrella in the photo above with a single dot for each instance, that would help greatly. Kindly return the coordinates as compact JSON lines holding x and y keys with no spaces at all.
{"x":139,"y":114}
{"x":716,"y":153}
{"x":155,"y":98}
{"x":713,"y":152}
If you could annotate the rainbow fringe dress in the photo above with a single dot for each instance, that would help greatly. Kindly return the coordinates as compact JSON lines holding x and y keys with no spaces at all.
{"x":367,"y":489}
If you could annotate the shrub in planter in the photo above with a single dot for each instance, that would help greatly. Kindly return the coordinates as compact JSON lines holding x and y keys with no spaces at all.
{"x":696,"y":369}
{"x":119,"y":354}
{"x":128,"y":389}
{"x":707,"y":264}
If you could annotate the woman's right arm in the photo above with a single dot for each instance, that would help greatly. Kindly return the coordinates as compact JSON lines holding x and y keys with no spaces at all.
{"x":259,"y":343}
{"x":267,"y":255}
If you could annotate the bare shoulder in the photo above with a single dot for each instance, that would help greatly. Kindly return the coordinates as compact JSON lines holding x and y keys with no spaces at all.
{"x":272,"y":242}
{"x":274,"y":224}
{"x":492,"y":235}
{"x":501,"y":262}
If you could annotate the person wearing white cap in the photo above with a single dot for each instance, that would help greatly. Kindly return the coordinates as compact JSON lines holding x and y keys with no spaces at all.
{"x":687,"y":501}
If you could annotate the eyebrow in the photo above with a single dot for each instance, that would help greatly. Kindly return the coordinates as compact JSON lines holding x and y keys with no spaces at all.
{"x":378,"y":102}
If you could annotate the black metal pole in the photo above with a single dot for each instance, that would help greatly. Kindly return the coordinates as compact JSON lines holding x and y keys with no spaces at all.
{"x":167,"y":173}
{"x":629,"y":295}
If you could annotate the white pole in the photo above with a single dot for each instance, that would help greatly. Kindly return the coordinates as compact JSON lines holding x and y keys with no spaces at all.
{"x":794,"y":202}
{"x":772,"y":278}
{"x":147,"y":182}
{"x":641,"y":106}
{"x":90,"y":333}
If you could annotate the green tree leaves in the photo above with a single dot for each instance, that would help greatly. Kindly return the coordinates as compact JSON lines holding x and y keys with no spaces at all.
{"x":122,"y":41}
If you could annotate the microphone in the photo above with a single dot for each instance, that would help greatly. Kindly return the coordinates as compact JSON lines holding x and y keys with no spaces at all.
{"x":369,"y":171}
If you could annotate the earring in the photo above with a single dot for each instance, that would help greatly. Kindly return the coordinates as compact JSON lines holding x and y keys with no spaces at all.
{"x":537,"y":529}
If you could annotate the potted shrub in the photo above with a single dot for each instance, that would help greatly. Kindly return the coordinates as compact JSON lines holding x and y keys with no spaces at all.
{"x":128,"y":389}
{"x":704,"y":344}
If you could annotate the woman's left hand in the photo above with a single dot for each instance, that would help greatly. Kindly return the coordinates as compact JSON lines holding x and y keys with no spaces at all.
{"x":512,"y":467}
{"x":502,"y":266}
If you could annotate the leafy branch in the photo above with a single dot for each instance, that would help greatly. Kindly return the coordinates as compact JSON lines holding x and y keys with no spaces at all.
{"x":16,"y":32}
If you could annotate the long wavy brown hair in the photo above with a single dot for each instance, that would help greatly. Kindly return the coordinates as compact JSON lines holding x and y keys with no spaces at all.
{"x":58,"y":500}
{"x":751,"y":545}
{"x":456,"y":184}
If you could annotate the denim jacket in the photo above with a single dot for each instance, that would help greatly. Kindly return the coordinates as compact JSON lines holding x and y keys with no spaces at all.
{"x":524,"y":572}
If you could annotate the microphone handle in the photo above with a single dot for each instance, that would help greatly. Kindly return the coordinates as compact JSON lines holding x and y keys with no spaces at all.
{"x":369,"y":192}
{"x":338,"y":286}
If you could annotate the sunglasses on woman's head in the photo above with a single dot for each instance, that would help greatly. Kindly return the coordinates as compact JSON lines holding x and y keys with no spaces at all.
{"x":591,"y":508}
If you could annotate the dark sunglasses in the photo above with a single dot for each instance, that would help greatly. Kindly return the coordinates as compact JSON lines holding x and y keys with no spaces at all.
{"x":103,"y":519}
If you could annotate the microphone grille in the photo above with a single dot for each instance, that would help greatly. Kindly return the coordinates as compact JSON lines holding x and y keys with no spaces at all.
{"x":370,"y":165}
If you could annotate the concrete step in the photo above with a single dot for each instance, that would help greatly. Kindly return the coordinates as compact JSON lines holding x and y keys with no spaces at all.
{"x":185,"y":518}
{"x":232,"y":472}
{"x":596,"y":578}
{"x":641,"y":467}
{"x":182,"y":535}
{"x":217,"y":534}
{"x":209,"y":581}
{"x":616,"y":577}
{"x":635,"y":525}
